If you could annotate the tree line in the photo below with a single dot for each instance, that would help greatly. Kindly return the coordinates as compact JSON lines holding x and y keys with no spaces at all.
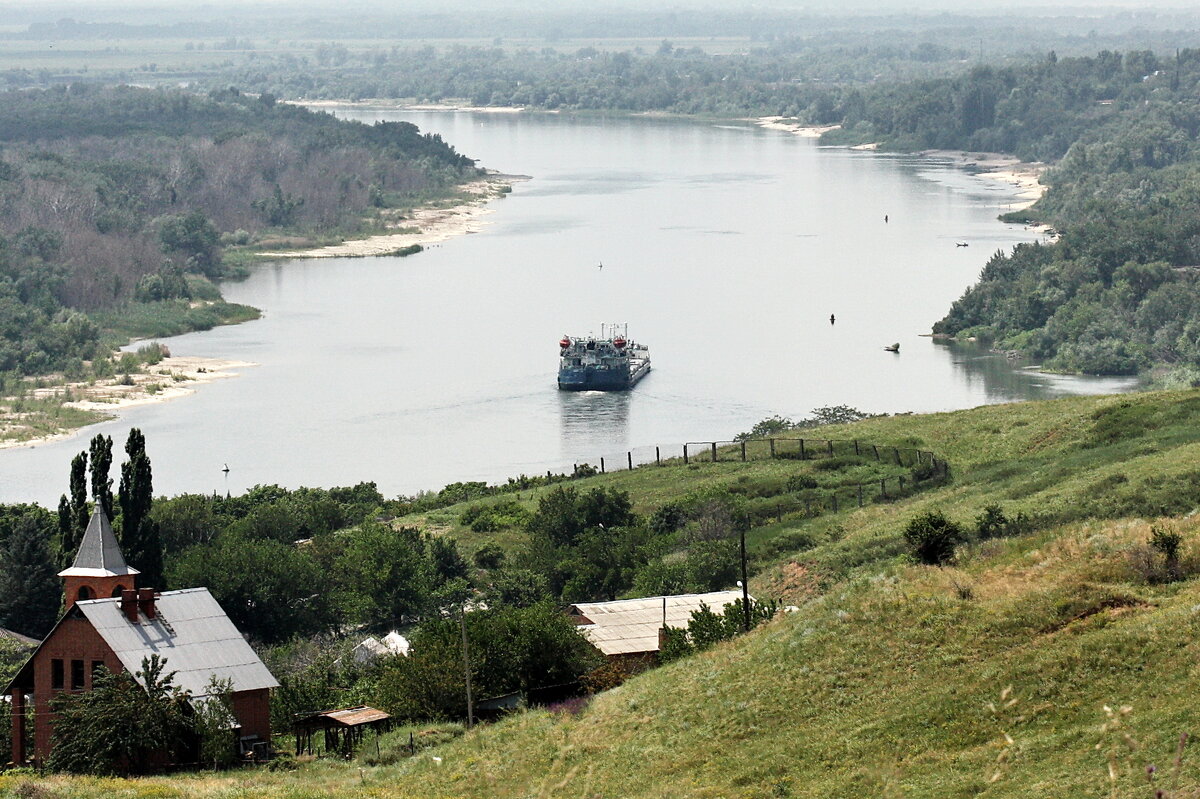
{"x":112,"y":197}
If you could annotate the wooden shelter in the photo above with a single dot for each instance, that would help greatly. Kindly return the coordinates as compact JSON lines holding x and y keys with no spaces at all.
{"x":344,"y":729}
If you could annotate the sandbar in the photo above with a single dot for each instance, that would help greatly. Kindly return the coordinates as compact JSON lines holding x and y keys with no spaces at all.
{"x":169,"y":379}
{"x":791,"y":126}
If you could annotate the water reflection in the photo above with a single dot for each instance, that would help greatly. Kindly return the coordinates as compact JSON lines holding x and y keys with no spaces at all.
{"x":1005,"y":379}
{"x":594,"y":424}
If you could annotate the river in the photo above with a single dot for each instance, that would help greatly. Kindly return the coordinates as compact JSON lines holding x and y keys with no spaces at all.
{"x":725,"y":247}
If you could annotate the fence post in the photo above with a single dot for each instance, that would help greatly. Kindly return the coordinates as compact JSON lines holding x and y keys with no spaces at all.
{"x":685,"y":458}
{"x":856,"y":452}
{"x":629,"y":455}
{"x":835,"y":507}
{"x":901,"y":484}
{"x":875,"y":449}
{"x":714,"y":451}
{"x":743,"y":450}
{"x":772,"y":446}
{"x":860,"y":501}
{"x":657,"y":457}
{"x":897,"y":451}
{"x":602,"y":466}
{"x":830,"y":442}
{"x":803,"y":456}
{"x":883,"y":487}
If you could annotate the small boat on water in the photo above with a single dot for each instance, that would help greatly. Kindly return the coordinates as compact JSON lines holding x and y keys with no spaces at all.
{"x":608,"y":362}
{"x":894,"y":348}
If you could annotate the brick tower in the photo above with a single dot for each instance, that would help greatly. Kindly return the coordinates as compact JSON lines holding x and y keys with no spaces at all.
{"x":99,"y":570}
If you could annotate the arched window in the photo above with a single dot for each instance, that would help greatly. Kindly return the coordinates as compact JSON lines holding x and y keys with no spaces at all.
{"x":117,"y":591}
{"x":84,"y":592}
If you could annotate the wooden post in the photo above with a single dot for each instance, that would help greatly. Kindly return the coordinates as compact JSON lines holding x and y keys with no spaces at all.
{"x":901,"y":484}
{"x":883,"y":487}
{"x":773,"y":446}
{"x":743,"y":450}
{"x":830,"y":442}
{"x":876,"y":450}
{"x":860,"y":495}
{"x":897,"y":451}
{"x":803,"y":457}
{"x":462,"y":623}
{"x":714,"y":451}
{"x":629,"y":455}
{"x":835,"y":507}
{"x":856,"y":451}
{"x":602,"y":466}
{"x":657,"y":457}
{"x":685,"y":455}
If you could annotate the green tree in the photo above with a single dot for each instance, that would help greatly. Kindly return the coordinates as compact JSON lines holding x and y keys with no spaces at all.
{"x":101,"y":461}
{"x":73,"y":511}
{"x":386,"y":573}
{"x":139,"y":532}
{"x":214,"y":723}
{"x":30,"y":591}
{"x":118,"y":726}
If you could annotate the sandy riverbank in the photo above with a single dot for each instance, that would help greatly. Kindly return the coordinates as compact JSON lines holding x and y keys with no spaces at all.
{"x":1024,"y":176}
{"x":398,"y":105}
{"x":168,"y":379}
{"x":423,"y":226}
{"x":783,"y":123}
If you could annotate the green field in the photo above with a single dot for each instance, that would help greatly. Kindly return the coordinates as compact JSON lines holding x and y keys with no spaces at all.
{"x":990,"y":677}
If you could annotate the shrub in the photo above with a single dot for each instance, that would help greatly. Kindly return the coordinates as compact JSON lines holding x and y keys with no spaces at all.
{"x":932,"y":537}
{"x":992,"y":523}
{"x":489,"y":556}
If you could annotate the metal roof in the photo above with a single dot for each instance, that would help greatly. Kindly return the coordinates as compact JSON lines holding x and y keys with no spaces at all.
{"x":99,"y":553}
{"x":190,"y":632}
{"x":630,"y":626}
{"x":354,"y":716}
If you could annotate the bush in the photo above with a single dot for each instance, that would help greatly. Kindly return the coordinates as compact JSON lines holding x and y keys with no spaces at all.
{"x":932,"y":537}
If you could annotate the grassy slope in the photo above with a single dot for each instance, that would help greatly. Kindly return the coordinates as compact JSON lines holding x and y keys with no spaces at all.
{"x":880,"y":686}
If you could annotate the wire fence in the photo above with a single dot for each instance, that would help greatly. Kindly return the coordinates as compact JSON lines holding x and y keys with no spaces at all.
{"x":925,"y":467}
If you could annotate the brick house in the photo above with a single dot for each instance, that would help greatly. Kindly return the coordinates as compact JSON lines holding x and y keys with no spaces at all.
{"x":110,"y":622}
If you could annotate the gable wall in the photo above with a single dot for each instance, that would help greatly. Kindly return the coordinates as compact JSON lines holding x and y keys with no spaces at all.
{"x":73,"y":639}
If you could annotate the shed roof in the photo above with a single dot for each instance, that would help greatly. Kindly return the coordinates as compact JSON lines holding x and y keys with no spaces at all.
{"x":630,"y":626}
{"x":190,"y":632}
{"x":346,"y":717}
{"x":99,"y":553}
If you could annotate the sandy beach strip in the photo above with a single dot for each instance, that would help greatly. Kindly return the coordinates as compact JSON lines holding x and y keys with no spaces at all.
{"x":385,"y":104}
{"x":423,"y":226}
{"x":168,"y":379}
{"x":1024,"y":176}
{"x":790,"y":125}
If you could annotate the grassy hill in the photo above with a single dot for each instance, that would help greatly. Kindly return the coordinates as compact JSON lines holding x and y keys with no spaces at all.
{"x":1053,"y":663}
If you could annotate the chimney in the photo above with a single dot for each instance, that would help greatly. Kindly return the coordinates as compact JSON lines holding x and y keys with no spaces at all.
{"x":145,"y":600}
{"x":129,"y":605}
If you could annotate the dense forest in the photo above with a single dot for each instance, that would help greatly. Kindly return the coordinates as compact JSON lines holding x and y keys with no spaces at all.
{"x":111,"y":197}
{"x":1116,"y":294}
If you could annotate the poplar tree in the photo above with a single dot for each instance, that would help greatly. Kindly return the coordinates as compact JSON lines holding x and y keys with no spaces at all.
{"x":30,"y":593}
{"x":139,"y":533}
{"x":101,"y":450}
{"x":73,"y":511}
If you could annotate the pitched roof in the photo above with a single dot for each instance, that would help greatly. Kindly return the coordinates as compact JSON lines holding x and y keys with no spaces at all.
{"x":23,"y":640}
{"x":190,"y":631}
{"x":99,"y":553}
{"x":630,"y":626}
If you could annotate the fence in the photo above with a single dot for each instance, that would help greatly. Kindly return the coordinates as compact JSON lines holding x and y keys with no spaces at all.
{"x":828,"y":499}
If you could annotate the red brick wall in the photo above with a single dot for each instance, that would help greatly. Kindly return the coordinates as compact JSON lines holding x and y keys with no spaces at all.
{"x":100,"y":587}
{"x":253,"y":711}
{"x":74,"y":639}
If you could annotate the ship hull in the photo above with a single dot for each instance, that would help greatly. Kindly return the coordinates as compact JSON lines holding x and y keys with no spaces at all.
{"x":587,"y":378}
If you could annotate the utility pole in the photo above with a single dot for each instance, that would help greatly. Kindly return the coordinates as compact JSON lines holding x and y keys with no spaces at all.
{"x":462,"y":624}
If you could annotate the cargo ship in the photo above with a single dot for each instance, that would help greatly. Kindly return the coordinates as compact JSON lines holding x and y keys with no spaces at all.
{"x":609,"y":362}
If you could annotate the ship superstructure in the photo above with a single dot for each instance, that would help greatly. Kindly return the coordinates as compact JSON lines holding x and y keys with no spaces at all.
{"x":608,"y":362}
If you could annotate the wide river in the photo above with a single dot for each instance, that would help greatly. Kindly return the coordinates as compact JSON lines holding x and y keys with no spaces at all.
{"x":725,"y":247}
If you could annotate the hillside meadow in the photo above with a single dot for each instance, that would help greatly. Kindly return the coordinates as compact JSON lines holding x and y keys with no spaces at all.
{"x":1058,"y":661}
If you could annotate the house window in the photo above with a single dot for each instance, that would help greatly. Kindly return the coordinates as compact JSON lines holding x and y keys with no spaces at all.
{"x":56,"y":674}
{"x":76,"y":675}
